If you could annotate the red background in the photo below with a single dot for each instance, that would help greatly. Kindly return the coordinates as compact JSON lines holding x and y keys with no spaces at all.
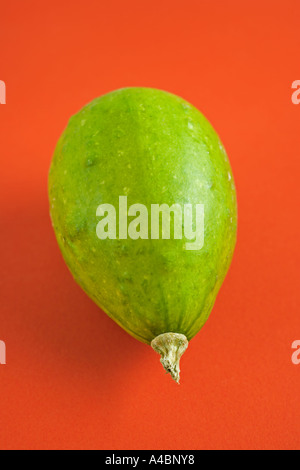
{"x":61,"y":387}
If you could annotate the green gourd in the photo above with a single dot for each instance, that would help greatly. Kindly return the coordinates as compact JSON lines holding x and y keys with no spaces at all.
{"x":148,"y":147}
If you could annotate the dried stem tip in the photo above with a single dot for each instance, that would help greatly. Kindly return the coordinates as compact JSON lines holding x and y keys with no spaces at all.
{"x":170,"y":346}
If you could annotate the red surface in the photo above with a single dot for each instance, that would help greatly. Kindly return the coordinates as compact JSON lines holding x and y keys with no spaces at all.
{"x":62,"y":386}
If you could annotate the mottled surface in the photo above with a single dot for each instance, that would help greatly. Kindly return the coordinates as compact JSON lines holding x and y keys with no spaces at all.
{"x":153,"y":147}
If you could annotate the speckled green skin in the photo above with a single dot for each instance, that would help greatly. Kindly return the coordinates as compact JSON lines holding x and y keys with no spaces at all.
{"x":155,"y":148}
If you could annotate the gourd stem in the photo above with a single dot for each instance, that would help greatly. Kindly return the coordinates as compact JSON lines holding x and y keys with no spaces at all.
{"x":171,"y":347}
